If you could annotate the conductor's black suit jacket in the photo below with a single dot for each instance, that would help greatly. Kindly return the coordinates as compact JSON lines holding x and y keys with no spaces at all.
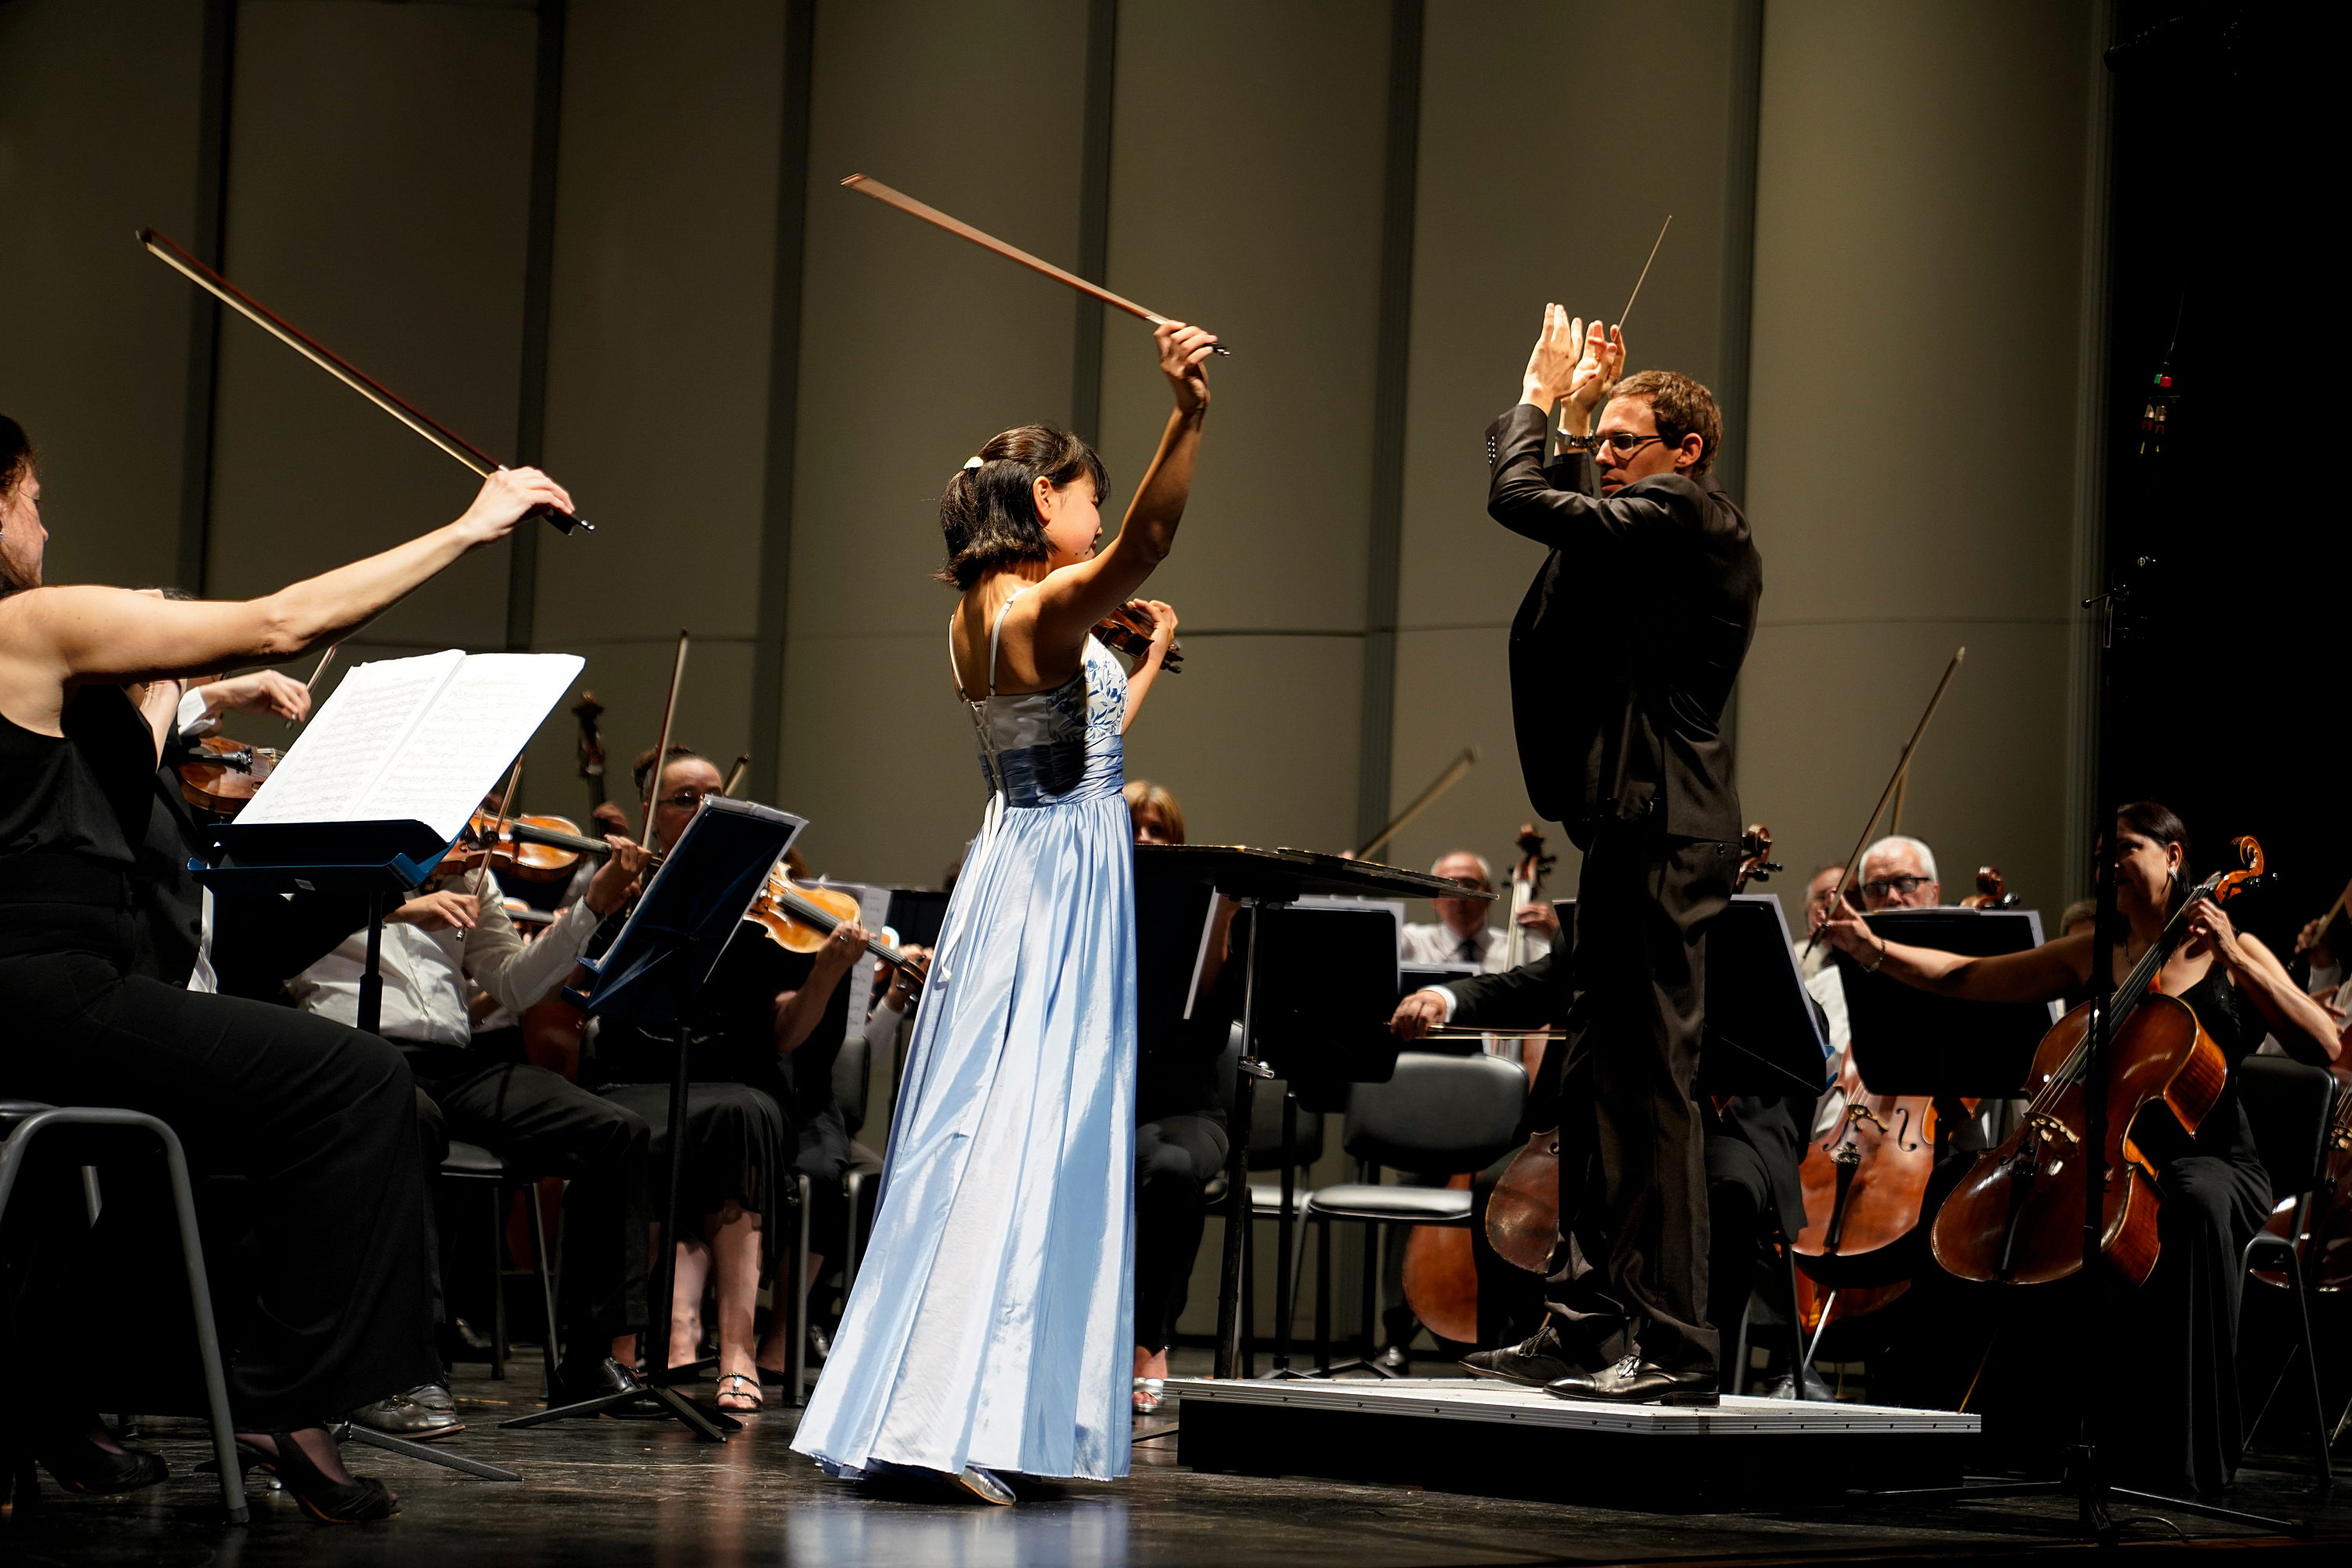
{"x":1537,"y":995}
{"x":1624,"y":650}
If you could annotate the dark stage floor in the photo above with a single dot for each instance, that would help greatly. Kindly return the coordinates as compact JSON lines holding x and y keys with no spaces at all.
{"x":609,"y":1493}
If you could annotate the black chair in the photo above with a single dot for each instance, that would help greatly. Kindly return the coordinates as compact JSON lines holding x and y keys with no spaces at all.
{"x":1438,"y":1116}
{"x":861,"y":1183}
{"x":471,"y":1164}
{"x":2291,"y":1108}
{"x":23,"y":1123}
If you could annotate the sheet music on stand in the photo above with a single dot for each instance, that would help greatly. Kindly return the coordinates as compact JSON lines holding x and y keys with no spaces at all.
{"x":389,"y":771}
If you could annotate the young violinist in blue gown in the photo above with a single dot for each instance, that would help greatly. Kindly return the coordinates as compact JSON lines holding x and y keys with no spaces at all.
{"x":990,"y":1327}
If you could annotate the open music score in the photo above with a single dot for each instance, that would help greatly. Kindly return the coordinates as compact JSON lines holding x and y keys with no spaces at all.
{"x":417,"y":740}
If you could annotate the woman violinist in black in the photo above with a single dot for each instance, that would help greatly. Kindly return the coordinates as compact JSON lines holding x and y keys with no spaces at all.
{"x":2177,"y":1427}
{"x":320,"y":1117}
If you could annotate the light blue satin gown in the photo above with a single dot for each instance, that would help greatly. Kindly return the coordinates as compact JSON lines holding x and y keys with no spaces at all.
{"x":992,"y":1322}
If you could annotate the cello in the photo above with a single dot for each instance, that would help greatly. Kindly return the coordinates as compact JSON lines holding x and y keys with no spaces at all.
{"x":2017,"y":1217}
{"x":1440,"y":1269}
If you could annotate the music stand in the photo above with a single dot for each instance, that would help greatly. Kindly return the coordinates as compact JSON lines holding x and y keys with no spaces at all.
{"x":653,"y":975}
{"x":1912,"y":1042}
{"x":1262,"y":880}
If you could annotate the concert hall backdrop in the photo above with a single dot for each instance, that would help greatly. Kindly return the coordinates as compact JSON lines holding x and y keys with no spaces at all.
{"x":607,"y":237}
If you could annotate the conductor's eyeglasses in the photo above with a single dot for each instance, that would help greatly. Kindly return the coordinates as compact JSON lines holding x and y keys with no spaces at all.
{"x":1618,"y":441}
{"x":1879,"y":887}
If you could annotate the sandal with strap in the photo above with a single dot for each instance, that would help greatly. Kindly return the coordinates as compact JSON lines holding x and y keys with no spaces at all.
{"x":746,"y":1387}
{"x":1150,"y":1394}
{"x":360,"y":1500}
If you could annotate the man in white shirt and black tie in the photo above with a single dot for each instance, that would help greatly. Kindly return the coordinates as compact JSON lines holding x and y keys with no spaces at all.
{"x":1460,"y":934}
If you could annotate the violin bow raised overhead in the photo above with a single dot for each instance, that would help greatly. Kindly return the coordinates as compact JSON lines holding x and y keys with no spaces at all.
{"x":170,"y":255}
{"x":661,"y":747}
{"x":1902,"y":767}
{"x":961,"y":230}
{"x":1422,"y":802}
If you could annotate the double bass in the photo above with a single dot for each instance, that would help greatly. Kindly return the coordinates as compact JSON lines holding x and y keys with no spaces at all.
{"x":2017,"y":1216}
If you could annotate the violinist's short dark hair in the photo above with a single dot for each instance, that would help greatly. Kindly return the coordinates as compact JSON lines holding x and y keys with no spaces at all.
{"x":989,"y":511}
{"x":642,"y":770}
{"x":1681,"y":407}
{"x":16,"y":455}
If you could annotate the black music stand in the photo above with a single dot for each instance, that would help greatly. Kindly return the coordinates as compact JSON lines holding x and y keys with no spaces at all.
{"x":385,"y":861}
{"x":653,"y":973}
{"x":1264,"y":879}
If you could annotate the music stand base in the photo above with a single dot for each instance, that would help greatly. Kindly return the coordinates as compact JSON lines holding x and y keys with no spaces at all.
{"x":431,"y":1455}
{"x":710,"y":1426}
{"x":2098,"y":1521}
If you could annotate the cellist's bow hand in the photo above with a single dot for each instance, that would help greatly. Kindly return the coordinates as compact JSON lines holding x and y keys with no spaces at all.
{"x":615,"y":881}
{"x":1417,"y":1015}
{"x":506,"y":497}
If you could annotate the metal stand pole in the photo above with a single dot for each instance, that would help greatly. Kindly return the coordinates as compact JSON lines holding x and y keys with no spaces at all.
{"x":1237,"y":1185}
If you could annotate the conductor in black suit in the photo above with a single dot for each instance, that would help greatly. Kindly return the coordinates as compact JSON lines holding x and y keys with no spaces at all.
{"x":1622,"y":656}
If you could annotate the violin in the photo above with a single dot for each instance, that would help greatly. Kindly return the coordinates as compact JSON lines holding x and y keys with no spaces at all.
{"x":1128,"y":630}
{"x":2017,"y":1217}
{"x":533,"y":849}
{"x":799,"y":917}
{"x":1756,"y":862}
{"x":221,"y":774}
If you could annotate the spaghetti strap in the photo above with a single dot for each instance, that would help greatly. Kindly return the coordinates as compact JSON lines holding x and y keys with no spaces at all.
{"x":997,"y":631}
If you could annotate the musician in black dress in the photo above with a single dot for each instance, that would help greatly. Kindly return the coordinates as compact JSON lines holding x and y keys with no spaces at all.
{"x":1622,"y":658}
{"x":320,"y":1117}
{"x":2179,"y":1427}
{"x":759,"y":1107}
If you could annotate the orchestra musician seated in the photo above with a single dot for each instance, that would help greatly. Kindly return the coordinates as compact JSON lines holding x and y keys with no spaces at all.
{"x":763,"y":1081}
{"x":453,"y":938}
{"x":1180,"y":1125}
{"x":1460,"y":934}
{"x":2176,"y":1425}
{"x":1752,"y":1143}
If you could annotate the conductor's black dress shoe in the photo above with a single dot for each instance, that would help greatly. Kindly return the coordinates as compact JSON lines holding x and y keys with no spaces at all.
{"x":1534,"y":1362}
{"x":1633,"y":1381}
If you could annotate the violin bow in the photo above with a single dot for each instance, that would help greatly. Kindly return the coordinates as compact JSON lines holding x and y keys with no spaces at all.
{"x":165,"y":250}
{"x":1902,"y":767}
{"x":661,"y":747}
{"x":325,"y":659}
{"x":735,"y":774}
{"x":1427,"y":798}
{"x":498,"y":831}
{"x":961,"y":230}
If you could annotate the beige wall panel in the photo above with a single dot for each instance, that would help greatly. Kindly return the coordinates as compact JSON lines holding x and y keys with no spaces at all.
{"x":1978,"y":794}
{"x":1259,"y":740}
{"x":631,"y":677}
{"x":917,"y":347}
{"x":378,"y":168}
{"x":1512,"y":215}
{"x":1246,"y":195}
{"x":1917,"y":282}
{"x":99,"y":104}
{"x":657,"y":365}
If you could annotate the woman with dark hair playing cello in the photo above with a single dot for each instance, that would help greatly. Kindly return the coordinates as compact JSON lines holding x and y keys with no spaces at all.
{"x":2179,"y":1429}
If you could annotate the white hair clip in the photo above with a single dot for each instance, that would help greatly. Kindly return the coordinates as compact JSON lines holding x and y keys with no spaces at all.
{"x":972,"y":463}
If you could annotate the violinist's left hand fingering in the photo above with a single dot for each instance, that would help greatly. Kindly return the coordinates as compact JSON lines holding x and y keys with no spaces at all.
{"x":615,"y":881}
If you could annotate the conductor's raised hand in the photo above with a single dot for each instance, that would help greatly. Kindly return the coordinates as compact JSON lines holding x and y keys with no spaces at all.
{"x":506,"y":497}
{"x":1598,"y":367}
{"x":1551,"y":363}
{"x":1183,"y":353}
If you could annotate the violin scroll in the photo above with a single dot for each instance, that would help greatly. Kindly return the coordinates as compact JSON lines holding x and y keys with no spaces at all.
{"x":1992,"y":892}
{"x":1756,"y":862}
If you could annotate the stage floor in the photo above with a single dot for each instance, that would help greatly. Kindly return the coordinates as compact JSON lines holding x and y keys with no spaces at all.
{"x":613,"y":1492}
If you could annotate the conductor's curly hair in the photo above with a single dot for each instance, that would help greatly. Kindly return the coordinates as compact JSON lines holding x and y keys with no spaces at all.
{"x":989,"y":511}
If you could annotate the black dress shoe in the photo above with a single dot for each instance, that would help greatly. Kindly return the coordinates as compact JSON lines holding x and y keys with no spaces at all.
{"x":1637,"y":1381}
{"x":1534,"y":1363}
{"x":590,"y":1377}
{"x":402,"y":1416}
{"x":433,"y":1396}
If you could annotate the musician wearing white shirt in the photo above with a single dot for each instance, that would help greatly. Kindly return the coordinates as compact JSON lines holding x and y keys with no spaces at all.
{"x":1460,"y":934}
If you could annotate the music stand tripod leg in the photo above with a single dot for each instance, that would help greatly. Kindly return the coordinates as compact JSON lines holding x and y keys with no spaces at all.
{"x":431,"y":1455}
{"x":1238,"y":1186}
